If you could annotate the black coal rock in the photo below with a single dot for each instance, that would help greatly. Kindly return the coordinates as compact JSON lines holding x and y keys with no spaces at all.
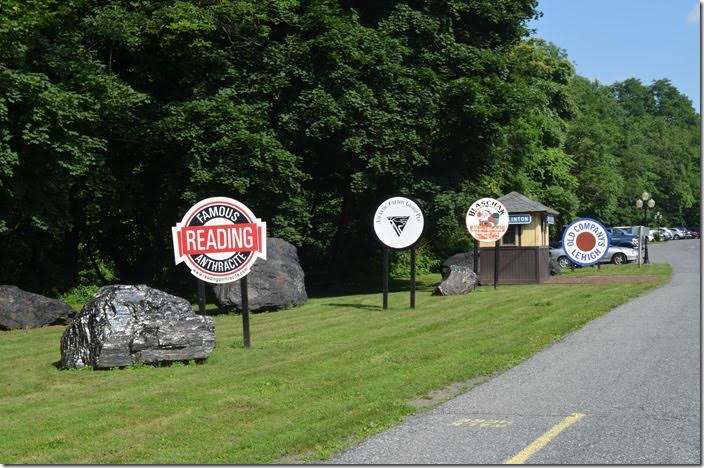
{"x":125,"y":324}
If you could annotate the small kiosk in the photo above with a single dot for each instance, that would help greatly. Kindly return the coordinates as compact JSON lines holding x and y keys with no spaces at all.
{"x":525,"y":253}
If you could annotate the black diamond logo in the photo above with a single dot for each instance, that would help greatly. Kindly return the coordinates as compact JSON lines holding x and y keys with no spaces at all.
{"x":398,"y":222}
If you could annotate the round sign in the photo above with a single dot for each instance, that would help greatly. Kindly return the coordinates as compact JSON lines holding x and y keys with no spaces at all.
{"x":398,"y":222}
{"x":585,"y":241}
{"x":219,"y":238}
{"x":487,"y":220}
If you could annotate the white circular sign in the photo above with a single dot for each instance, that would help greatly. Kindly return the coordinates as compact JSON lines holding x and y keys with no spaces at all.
{"x":398,"y":222}
{"x":585,"y":241}
{"x":487,"y":220}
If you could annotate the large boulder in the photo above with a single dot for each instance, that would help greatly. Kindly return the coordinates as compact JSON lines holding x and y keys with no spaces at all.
{"x":274,"y":283}
{"x":124,"y":324}
{"x":555,"y":268}
{"x":463,"y":259}
{"x":22,"y":309}
{"x":461,"y":280}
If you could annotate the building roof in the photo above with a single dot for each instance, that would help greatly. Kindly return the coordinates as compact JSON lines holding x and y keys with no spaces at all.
{"x":519,"y":203}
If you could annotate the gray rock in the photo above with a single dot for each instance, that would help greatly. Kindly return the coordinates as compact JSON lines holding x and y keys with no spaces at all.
{"x":461,"y":280}
{"x":274,"y":283}
{"x":22,"y":309}
{"x":555,"y":268}
{"x":123,"y":325}
{"x":463,"y":259}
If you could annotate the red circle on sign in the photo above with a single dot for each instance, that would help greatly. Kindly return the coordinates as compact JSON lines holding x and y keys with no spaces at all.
{"x":188,"y":223}
{"x":586,"y":241}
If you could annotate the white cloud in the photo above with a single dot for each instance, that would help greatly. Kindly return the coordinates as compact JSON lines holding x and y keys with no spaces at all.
{"x":693,"y":16}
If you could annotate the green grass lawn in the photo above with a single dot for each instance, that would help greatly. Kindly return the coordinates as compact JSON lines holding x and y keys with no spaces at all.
{"x":317,"y":379}
{"x":608,"y":269}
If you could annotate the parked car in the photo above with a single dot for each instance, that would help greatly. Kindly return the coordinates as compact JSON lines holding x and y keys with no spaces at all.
{"x":617,"y":254}
{"x":695,"y":231}
{"x":669,"y":232}
{"x":633,"y":230}
{"x":662,"y":234}
{"x":619,"y":236}
{"x":678,"y":233}
{"x":687,"y":232}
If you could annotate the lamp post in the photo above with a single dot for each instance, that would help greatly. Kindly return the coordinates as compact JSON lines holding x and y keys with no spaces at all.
{"x":645,"y":202}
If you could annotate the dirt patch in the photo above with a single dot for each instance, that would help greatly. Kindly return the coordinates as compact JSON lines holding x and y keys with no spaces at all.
{"x":438,"y":396}
{"x":601,"y":279}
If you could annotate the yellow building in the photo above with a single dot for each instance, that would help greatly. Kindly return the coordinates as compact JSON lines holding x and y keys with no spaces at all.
{"x":524,"y":255}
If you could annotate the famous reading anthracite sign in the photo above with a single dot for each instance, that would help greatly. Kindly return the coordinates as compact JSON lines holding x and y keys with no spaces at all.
{"x":398,"y":222}
{"x":487,"y":220}
{"x":585,"y":241}
{"x":220,"y":239}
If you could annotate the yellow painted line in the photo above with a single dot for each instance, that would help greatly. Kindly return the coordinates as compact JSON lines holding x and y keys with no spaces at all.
{"x":543,"y":440}
{"x":497,"y":423}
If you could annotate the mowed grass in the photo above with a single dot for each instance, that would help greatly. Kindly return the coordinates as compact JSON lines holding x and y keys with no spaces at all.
{"x":609,"y":269}
{"x":317,"y":379}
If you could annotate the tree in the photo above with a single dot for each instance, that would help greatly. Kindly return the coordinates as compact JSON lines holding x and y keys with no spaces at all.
{"x":58,"y":108}
{"x":593,"y":139}
{"x":659,"y":149}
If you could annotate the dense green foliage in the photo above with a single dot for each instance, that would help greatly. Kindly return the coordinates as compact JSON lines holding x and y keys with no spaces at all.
{"x":116,"y":116}
{"x":318,"y":378}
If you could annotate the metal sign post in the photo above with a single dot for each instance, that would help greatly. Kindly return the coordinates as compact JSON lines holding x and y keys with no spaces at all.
{"x":385,"y":286}
{"x":220,"y":239}
{"x":475,"y":257}
{"x":201,"y":297}
{"x":497,"y":247}
{"x":413,"y":277}
{"x":245,"y":311}
{"x":487,"y":220}
{"x":398,"y":224}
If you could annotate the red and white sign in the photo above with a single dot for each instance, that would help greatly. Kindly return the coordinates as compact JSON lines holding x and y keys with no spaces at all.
{"x":585,"y":241}
{"x":220,"y":239}
{"x":487,"y":220}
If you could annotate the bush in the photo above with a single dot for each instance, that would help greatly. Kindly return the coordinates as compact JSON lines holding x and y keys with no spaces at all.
{"x":425,"y":262}
{"x":79,"y":294}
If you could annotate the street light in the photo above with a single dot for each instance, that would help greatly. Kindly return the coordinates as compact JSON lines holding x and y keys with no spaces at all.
{"x":645,"y":202}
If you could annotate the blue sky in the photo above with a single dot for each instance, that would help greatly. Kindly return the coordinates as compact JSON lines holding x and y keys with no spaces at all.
{"x":612,"y":40}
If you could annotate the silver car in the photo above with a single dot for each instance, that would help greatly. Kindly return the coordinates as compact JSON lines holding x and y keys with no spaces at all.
{"x":617,"y":254}
{"x":664,"y":233}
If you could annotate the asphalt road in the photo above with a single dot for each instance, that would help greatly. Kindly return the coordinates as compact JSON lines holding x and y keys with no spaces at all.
{"x":624,"y":389}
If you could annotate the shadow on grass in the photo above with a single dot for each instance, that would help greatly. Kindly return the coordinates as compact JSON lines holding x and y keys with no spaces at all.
{"x":137,"y":365}
{"x":353,"y":306}
{"x":351,"y":287}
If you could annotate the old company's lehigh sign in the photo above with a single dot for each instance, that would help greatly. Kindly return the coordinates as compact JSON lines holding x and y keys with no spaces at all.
{"x":220,"y":239}
{"x":398,"y":222}
{"x":585,"y":241}
{"x":487,"y":220}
